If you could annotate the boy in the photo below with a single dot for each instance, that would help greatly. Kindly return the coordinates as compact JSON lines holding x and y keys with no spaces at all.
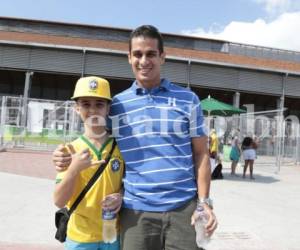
{"x":92,"y":96}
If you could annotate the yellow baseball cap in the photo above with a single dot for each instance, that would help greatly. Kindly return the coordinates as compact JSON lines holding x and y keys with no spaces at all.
{"x":92,"y":86}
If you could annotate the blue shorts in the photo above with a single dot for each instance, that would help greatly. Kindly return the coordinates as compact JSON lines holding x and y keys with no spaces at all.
{"x":74,"y":245}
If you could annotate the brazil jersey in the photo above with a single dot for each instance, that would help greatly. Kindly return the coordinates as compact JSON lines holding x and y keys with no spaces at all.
{"x":85,"y":224}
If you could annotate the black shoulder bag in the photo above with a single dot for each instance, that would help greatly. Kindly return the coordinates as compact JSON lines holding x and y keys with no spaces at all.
{"x":62,"y":216}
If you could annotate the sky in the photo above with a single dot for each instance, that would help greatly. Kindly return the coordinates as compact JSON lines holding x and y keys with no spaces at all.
{"x":270,"y":23}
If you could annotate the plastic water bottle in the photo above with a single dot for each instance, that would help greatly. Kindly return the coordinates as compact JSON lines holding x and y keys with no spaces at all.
{"x":109,"y":226}
{"x":202,"y":238}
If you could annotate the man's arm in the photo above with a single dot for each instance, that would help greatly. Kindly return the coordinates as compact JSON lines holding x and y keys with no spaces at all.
{"x":62,"y":157}
{"x":203,"y":177}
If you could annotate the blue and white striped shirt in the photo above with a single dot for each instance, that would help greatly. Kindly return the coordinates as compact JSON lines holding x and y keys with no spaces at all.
{"x":153,"y":129}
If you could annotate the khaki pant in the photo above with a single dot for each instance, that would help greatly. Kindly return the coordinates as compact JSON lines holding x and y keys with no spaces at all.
{"x":158,"y":230}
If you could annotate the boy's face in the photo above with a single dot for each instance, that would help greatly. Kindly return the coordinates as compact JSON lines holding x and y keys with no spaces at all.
{"x":93,"y":111}
{"x":146,"y":60}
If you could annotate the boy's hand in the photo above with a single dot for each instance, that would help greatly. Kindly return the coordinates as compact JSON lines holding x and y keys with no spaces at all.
{"x":62,"y":157}
{"x":83,"y":160}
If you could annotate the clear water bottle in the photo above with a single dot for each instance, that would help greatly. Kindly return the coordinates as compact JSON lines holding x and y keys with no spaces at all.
{"x":202,"y":238}
{"x":109,"y":226}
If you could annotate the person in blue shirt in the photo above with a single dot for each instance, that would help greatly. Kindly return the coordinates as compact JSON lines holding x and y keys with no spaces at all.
{"x":159,"y":128}
{"x":235,"y":153}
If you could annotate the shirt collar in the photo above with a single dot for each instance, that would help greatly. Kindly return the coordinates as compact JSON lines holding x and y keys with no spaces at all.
{"x":164,"y":86}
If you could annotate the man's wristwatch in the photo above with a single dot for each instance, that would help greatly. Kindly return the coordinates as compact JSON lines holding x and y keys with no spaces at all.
{"x":206,"y":201}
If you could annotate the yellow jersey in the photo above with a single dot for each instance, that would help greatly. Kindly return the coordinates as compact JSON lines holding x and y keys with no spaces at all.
{"x":85,"y":224}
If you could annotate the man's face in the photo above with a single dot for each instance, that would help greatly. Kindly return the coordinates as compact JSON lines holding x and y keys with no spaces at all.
{"x":146,"y":61}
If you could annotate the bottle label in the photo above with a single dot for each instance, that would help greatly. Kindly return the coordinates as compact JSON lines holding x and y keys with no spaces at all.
{"x":108,"y":215}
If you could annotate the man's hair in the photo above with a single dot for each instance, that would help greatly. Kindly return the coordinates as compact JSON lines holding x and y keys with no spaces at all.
{"x":147,"y":31}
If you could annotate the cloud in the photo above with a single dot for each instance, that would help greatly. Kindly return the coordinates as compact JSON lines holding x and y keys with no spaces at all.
{"x":276,"y":7}
{"x":281,"y":32}
{"x":273,"y":6}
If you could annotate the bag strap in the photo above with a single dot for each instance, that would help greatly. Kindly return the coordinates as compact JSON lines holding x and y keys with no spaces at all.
{"x":93,"y":179}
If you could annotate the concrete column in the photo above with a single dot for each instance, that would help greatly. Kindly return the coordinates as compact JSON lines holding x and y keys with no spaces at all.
{"x":248,"y":123}
{"x":26,"y":95}
{"x":280,"y":126}
{"x":2,"y":121}
{"x":236,"y":99}
{"x":280,"y":103}
{"x":83,"y":63}
{"x":189,"y":66}
{"x":235,"y":118}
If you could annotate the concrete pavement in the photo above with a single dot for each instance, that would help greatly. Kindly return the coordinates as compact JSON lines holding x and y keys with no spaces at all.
{"x":263,"y":214}
{"x":26,"y":207}
{"x":258,"y":215}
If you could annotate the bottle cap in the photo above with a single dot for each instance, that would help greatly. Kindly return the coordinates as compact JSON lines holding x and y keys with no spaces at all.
{"x":108,"y":215}
{"x":200,"y":208}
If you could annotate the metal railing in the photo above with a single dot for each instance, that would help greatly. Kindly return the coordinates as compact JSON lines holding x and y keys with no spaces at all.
{"x":46,"y":123}
{"x":278,"y":137}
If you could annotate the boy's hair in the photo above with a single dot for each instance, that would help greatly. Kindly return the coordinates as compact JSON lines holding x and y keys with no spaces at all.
{"x":147,"y":31}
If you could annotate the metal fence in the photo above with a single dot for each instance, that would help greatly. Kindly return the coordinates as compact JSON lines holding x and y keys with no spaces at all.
{"x":36,"y":123}
{"x":277,"y":136}
{"x":43,"y":124}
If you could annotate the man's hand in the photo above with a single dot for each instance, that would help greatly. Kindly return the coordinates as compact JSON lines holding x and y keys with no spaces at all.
{"x":113,"y":202}
{"x":211,"y":224}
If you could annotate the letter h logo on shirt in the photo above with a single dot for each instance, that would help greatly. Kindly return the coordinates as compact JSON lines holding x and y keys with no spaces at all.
{"x":172,"y":101}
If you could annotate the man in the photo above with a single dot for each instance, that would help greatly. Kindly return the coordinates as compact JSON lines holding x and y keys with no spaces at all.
{"x":159,"y":130}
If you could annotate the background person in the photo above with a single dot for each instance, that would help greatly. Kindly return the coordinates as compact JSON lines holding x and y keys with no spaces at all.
{"x":213,"y":144}
{"x":235,"y":154}
{"x":249,"y":147}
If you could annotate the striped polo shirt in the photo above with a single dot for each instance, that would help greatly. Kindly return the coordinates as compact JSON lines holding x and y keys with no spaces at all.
{"x":153,"y":129}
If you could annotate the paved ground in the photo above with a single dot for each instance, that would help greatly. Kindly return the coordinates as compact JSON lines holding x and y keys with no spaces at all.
{"x":27,"y":163}
{"x":263,"y":214}
{"x":26,"y":207}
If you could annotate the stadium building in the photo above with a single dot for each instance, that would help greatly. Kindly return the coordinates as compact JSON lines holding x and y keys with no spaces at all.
{"x":42,"y":59}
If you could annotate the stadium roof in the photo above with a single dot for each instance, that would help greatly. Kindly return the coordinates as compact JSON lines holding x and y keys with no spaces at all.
{"x":211,"y":51}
